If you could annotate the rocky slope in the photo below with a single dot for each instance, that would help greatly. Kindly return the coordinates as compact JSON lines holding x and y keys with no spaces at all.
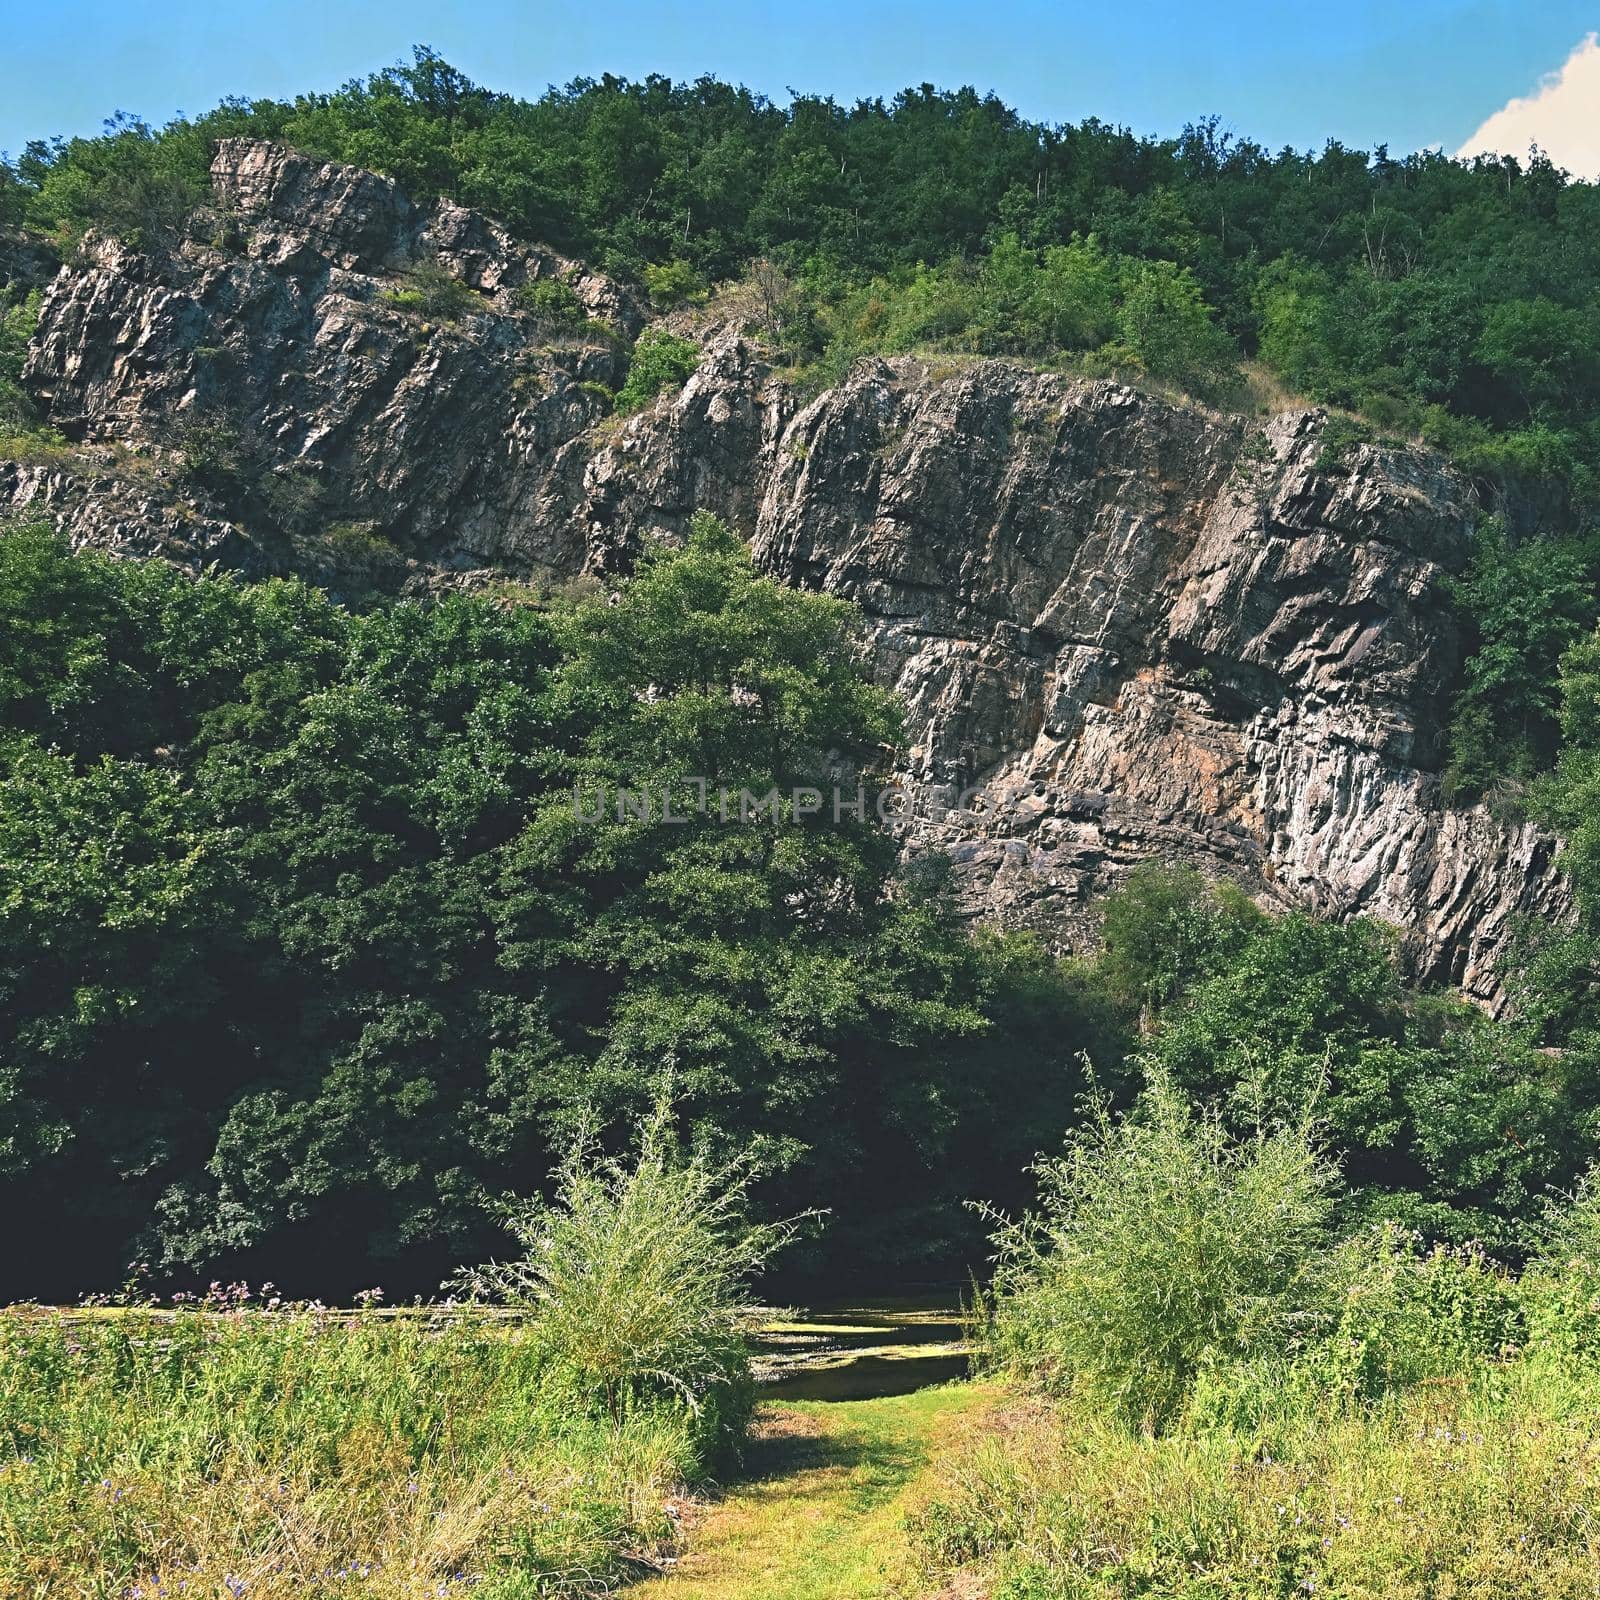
{"x":1123,"y":627}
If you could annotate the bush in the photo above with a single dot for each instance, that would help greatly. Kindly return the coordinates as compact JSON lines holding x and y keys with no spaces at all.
{"x":1403,"y":1315}
{"x":1160,"y":1247}
{"x":637,"y":1272}
{"x":1561,"y":1288}
{"x":212,"y":455}
{"x":430,"y":291}
{"x":1164,"y":320}
{"x":674,"y":283}
{"x":1166,"y":929}
{"x":660,"y":362}
{"x":1427,"y":1431}
{"x":1525,"y":604}
{"x":553,"y":304}
{"x":22,"y":432}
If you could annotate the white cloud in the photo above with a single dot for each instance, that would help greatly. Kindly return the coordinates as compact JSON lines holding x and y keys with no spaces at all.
{"x":1562,"y":117}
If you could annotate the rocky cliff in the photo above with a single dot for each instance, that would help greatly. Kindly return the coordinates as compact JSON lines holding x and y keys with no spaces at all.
{"x":1122,"y":626}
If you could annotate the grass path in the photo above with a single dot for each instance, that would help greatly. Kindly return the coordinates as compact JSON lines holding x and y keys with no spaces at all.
{"x":817,"y":1512}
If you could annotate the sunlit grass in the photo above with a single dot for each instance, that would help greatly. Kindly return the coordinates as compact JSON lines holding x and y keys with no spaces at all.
{"x":273,"y":1453}
{"x":821,"y":1511}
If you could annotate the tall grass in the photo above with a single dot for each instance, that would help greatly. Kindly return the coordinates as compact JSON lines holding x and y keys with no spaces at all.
{"x":263,"y":1453}
{"x":228,"y":1450}
{"x":1229,"y":1404}
{"x":637,"y":1272}
{"x":1485,"y":1489}
{"x":1160,"y":1247}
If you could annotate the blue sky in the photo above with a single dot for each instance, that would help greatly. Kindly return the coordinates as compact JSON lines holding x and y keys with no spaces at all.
{"x":1408,"y":72}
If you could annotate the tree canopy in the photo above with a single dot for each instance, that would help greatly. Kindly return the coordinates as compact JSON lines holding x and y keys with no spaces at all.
{"x":1457,"y":299}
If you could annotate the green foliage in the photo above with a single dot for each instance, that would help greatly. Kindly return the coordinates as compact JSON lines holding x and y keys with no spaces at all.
{"x":552,"y":301}
{"x":1073,"y":299}
{"x":1408,"y":1420}
{"x":1166,"y":929}
{"x":1160,"y":1246}
{"x":636,"y":1272}
{"x":552,"y":304}
{"x":1450,"y":299}
{"x":1442,"y":1119}
{"x":1402,"y":1315}
{"x":16,"y":328}
{"x":1527,"y":603}
{"x":429,"y":290}
{"x":1545,"y":353}
{"x":1570,"y":798}
{"x":673,"y":283}
{"x":661,"y":362}
{"x":1164,"y":321}
{"x":22,"y":433}
{"x":1340,"y":435}
{"x":132,"y":181}
{"x":212,"y":456}
{"x":307,"y":950}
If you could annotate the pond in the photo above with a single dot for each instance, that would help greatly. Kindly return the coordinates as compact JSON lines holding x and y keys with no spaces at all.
{"x":860,"y":1351}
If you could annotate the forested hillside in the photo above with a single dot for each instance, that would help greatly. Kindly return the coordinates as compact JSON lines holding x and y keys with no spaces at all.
{"x":1437,"y":297}
{"x":307,"y":957}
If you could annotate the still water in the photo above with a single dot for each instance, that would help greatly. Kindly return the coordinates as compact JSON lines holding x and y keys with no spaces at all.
{"x":860,"y":1351}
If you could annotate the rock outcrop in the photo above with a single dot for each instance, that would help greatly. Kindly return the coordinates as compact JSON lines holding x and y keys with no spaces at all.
{"x":1123,"y":627}
{"x":274,"y":369}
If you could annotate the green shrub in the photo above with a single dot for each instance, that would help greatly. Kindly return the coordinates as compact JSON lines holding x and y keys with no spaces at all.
{"x":1167,"y":928}
{"x":1160,"y":1246}
{"x":1524,"y":603}
{"x":358,"y":541}
{"x":1164,"y":320}
{"x":552,"y":304}
{"x":1561,"y":1288}
{"x":212,"y":455}
{"x":1402,"y":1315}
{"x":428,"y":290}
{"x":636,"y":1273}
{"x":674,"y":283}
{"x":1340,"y":435}
{"x":23,"y":434}
{"x":660,"y":362}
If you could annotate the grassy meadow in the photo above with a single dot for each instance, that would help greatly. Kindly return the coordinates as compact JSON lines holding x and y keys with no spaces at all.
{"x":535,"y":1445}
{"x":293,"y":1451}
{"x":1193,"y":1384}
{"x":1215,"y":1397}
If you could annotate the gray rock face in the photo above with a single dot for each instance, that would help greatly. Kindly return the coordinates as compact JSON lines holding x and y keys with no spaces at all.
{"x":1126,"y":629}
{"x":274,"y":328}
{"x":1122,"y":627}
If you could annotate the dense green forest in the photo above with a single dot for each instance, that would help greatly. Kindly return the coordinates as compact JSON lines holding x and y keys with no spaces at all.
{"x":1456,"y":301}
{"x":308,"y":954}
